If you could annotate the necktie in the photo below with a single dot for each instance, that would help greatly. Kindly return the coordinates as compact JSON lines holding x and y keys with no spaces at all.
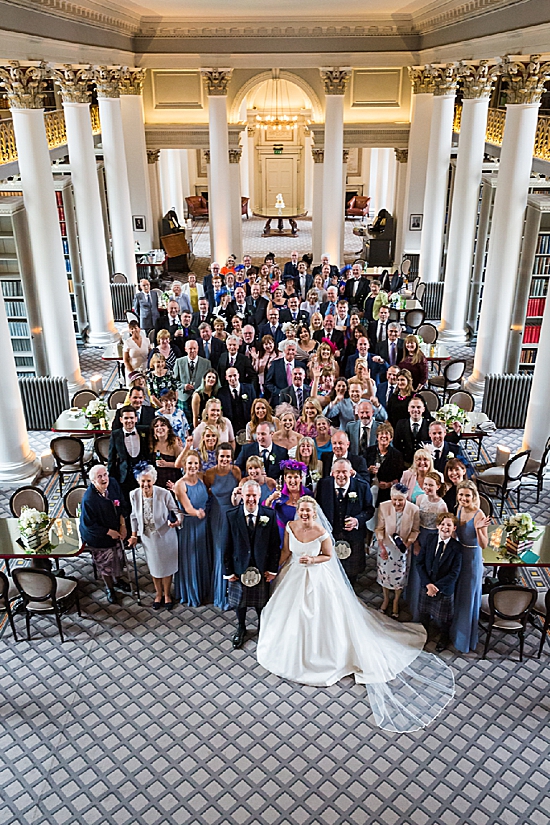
{"x":416,"y":427}
{"x":191,"y":368}
{"x":331,"y":308}
{"x":235,"y":396}
{"x":207,"y":350}
{"x":273,"y":331}
{"x":231,"y":362}
{"x":288,"y":374}
{"x":355,"y":285}
{"x":392,"y":353}
{"x":299,"y":399}
{"x":250,"y":527}
{"x":390,"y":392}
{"x":293,"y":316}
{"x":437,"y":455}
{"x":364,"y":443}
{"x":340,"y":494}
{"x":439,"y":551}
{"x":265,"y":454}
{"x":381,"y":331}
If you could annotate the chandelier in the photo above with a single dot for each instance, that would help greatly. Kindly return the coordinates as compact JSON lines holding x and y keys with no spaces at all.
{"x":275,"y":105}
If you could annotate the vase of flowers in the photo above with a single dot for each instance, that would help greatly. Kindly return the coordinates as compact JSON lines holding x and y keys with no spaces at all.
{"x":33,"y":528}
{"x":520,"y":530}
{"x":96,"y":413}
{"x":450,"y":414}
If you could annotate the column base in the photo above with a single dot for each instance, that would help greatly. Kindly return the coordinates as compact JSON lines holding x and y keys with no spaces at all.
{"x":475,"y":386}
{"x":76,"y":384}
{"x":28,"y":470}
{"x":101,"y":339}
{"x":453,"y":336}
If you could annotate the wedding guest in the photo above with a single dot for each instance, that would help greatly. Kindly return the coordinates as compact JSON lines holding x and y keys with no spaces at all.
{"x":263,"y":357}
{"x":193,"y":580}
{"x":138,"y":381}
{"x":284,"y":502}
{"x":127,"y":448}
{"x":397,"y":519}
{"x":255,"y":471}
{"x":306,"y":453}
{"x":167,"y":348}
{"x":103,"y":528}
{"x":306,"y":345}
{"x":412,"y":432}
{"x":455,"y":472}
{"x":207,"y":389}
{"x":324,"y":435}
{"x":220,"y":482}
{"x":160,"y":379}
{"x":153,"y":520}
{"x":208,"y":446}
{"x":212,"y":414}
{"x":144,"y":415}
{"x":260,"y":411}
{"x":340,"y":410}
{"x":439,"y":565}
{"x":431,"y":506}
{"x":165,"y":447}
{"x":397,"y":405}
{"x":306,"y":422}
{"x":269,"y":452}
{"x":472,"y":535}
{"x":311,"y":304}
{"x":413,"y":478}
{"x":176,"y":417}
{"x":385,"y":463}
{"x":135,"y":349}
{"x":323,"y":359}
{"x":316,"y":323}
{"x":415,"y":361}
{"x":286,"y":436}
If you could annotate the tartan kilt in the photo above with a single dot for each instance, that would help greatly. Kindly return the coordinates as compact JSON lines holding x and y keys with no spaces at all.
{"x":439,"y":608}
{"x":240,"y":596}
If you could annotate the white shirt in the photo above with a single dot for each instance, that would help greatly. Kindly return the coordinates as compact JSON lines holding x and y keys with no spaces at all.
{"x":345,"y":489}
{"x":232,"y":390}
{"x":418,"y":424}
{"x":247,"y":514}
{"x":342,"y":457}
{"x":131,"y":442}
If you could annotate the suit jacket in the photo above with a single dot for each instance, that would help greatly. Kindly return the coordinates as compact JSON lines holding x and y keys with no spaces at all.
{"x":273,"y":469}
{"x":444,"y":571}
{"x":215,"y":349}
{"x":265,"y":329}
{"x":233,"y":309}
{"x":257,"y":314}
{"x":405,"y":441}
{"x":182,"y":376}
{"x":377,"y":370}
{"x":276,"y":378}
{"x":382,"y":393}
{"x":290,"y":270}
{"x":298,"y":286}
{"x":146,"y":308}
{"x":410,"y":522}
{"x":358,"y":506}
{"x":163,"y":322}
{"x":238,"y":412}
{"x":357,"y":462}
{"x":448,"y":447}
{"x":353,"y":431}
{"x":247,"y":374}
{"x":288,"y":396}
{"x":372,"y":333}
{"x":266,"y":548}
{"x":164,"y":510}
{"x":325,"y":305}
{"x":318,"y":269}
{"x":302,"y":317}
{"x":363,"y":289}
{"x":336,"y":337}
{"x":184,"y":303}
{"x":120,"y":463}
{"x":383,"y":350}
{"x":196,"y":320}
{"x":145,"y":418}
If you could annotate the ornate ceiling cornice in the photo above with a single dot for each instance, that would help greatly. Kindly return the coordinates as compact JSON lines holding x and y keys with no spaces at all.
{"x":438,"y":15}
{"x":98,"y":14}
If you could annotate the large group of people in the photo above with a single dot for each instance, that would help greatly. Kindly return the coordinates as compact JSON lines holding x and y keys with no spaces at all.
{"x":263,"y":388}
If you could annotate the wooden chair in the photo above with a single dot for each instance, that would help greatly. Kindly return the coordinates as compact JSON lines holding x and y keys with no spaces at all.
{"x":101,"y":448}
{"x":405,"y":268}
{"x":536,"y":469}
{"x":9,"y":592}
{"x":506,"y":479}
{"x":451,"y":378}
{"x":119,"y":278}
{"x":541,"y":610}
{"x":70,"y":457}
{"x":463,"y":399}
{"x":29,"y":496}
{"x":431,"y":400}
{"x":115,"y":398}
{"x":82,"y":398}
{"x":244,"y":207}
{"x":428,"y":333}
{"x":41,"y":592}
{"x":507,"y":609}
{"x":419,"y":291}
{"x":72,"y":499}
{"x":414,"y":318}
{"x":486,"y":505}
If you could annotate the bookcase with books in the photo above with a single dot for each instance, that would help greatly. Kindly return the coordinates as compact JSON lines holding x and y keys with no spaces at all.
{"x":69,"y":236}
{"x":532,"y":286}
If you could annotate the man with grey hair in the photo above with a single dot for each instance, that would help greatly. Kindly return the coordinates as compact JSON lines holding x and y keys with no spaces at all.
{"x":103,"y":528}
{"x":233,"y":358}
{"x":270,"y":453}
{"x":279,"y":375}
{"x":362,"y":433}
{"x":251,"y":558}
{"x":391,"y":350}
{"x":182,"y":300}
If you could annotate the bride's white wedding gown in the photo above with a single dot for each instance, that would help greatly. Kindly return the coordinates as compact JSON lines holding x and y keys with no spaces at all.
{"x":314,"y":630}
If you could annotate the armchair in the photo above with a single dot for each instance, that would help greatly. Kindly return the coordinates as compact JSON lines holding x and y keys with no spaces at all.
{"x":358,"y":207}
{"x":197,"y":206}
{"x":244,"y":207}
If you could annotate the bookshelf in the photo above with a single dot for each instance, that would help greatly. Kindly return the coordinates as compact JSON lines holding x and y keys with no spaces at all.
{"x":531,"y":287}
{"x":71,"y":252}
{"x":19,"y":289}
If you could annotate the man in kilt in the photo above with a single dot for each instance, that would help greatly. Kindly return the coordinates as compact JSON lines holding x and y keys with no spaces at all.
{"x":438,"y":564}
{"x":251,"y":558}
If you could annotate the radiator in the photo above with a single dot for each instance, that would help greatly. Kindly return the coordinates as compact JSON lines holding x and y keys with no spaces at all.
{"x":44,"y":399}
{"x":122,"y":298}
{"x":433,"y":297}
{"x":506,"y":398}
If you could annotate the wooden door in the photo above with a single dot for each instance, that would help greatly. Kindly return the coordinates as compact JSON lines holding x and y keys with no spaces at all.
{"x":280,"y":178}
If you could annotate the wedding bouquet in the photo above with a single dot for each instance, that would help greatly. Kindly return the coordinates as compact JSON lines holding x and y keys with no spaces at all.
{"x":450,"y":414}
{"x":33,"y":527}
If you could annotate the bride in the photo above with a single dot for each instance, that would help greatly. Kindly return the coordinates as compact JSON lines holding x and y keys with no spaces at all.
{"x":314,"y":630}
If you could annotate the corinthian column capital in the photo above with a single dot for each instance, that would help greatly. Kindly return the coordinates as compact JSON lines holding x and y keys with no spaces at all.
{"x":73,"y":82}
{"x":335,"y":80}
{"x":445,"y":79}
{"x":107,"y":80}
{"x":421,"y":78}
{"x":216,"y":81}
{"x":525,"y":79}
{"x":131,"y":81}
{"x":477,"y":78}
{"x":24,"y":84}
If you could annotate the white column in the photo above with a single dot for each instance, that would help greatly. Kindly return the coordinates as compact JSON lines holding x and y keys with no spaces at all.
{"x":116,"y":172}
{"x":419,"y":139}
{"x":219,"y":200}
{"x":235,"y":196}
{"x":333,"y":202}
{"x":392,"y":173}
{"x":154,"y":188}
{"x":516,"y":158}
{"x":437,"y":175}
{"x":184,"y":166}
{"x":24,"y":86}
{"x":401,"y":157}
{"x":133,"y":125}
{"x":477,"y":85}
{"x":17,"y":461}
{"x":308,"y":174}
{"x":251,"y":140}
{"x":171,"y":182}
{"x":317,"y":214}
{"x":382,"y":179}
{"x":537,"y":423}
{"x":373,"y":180}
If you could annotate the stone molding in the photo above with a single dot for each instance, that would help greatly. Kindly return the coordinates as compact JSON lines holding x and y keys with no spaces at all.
{"x":153,"y":155}
{"x":73,"y":82}
{"x":318,"y":155}
{"x":131,"y":81}
{"x":216,"y":81}
{"x":477,"y":78}
{"x":421,"y":78}
{"x":235,"y":155}
{"x":335,"y":80}
{"x":445,"y":79}
{"x":526,"y":79}
{"x":24,"y":84}
{"x":107,"y":81}
{"x":401,"y":155}
{"x":345,"y":155}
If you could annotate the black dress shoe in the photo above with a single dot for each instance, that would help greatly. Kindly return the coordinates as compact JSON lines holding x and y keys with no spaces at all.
{"x":111,"y":595}
{"x":158,"y":605}
{"x":442,"y":644}
{"x":122,"y":585}
{"x":168,"y":605}
{"x":238,"y":638}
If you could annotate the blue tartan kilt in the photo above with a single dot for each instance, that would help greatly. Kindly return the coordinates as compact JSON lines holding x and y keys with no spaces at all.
{"x":240,"y":596}
{"x":439,"y":608}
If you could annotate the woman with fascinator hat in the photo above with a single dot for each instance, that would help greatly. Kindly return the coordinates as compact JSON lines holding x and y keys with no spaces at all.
{"x":315,"y":631}
{"x":284,"y":501}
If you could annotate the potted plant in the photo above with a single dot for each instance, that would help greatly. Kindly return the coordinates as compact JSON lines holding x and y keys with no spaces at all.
{"x":520,"y":531}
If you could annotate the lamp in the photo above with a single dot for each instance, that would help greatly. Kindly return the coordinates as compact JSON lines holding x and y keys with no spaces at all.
{"x":276,"y":117}
{"x":502,"y":455}
{"x":96,"y":383}
{"x":47,"y":462}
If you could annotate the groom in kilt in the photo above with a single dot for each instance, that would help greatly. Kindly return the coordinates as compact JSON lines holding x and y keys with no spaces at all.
{"x":251,"y":557}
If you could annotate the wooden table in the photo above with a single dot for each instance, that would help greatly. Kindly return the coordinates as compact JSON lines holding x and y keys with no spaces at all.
{"x":472,"y":433}
{"x":113,"y":352}
{"x":436,"y":352}
{"x":76,"y":423}
{"x":538,"y":555}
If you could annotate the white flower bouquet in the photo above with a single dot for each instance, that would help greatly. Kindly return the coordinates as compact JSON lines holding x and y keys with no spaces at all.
{"x":96,"y":410}
{"x":451,"y":414}
{"x":33,"y":528}
{"x":520,"y":531}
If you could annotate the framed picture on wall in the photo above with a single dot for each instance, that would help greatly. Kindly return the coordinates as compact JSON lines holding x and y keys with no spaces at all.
{"x":354,"y":162}
{"x":139,"y":223}
{"x":201,"y":164}
{"x":415,"y":223}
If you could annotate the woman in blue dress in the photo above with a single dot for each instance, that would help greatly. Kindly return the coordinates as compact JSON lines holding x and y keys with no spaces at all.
{"x":220,"y":481}
{"x":284,"y":502}
{"x":193,"y":580}
{"x":472,"y":535}
{"x":255,"y":471}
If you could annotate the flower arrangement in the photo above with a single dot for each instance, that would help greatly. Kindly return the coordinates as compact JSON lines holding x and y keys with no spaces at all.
{"x":96,"y":410}
{"x":33,"y":527}
{"x":451,"y":414}
{"x":520,"y":531}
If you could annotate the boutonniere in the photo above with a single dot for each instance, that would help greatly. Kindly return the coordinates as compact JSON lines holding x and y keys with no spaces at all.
{"x":352,"y":495}
{"x":272,"y":458}
{"x":116,"y":502}
{"x":450,"y":455}
{"x":244,"y":397}
{"x":264,"y":520}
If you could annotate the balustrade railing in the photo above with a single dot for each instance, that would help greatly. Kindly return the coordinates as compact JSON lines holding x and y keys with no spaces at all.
{"x":56,"y":133}
{"x":494,"y":132}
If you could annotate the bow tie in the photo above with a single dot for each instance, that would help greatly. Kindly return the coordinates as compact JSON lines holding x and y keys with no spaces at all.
{"x":129,"y":434}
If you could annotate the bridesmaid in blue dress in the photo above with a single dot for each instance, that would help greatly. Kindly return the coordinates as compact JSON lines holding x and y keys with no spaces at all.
{"x":193,"y":580}
{"x":220,"y":480}
{"x":472,"y":535}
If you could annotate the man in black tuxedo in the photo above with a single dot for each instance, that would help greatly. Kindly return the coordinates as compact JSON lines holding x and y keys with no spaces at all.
{"x":270,"y":453}
{"x":233,"y":358}
{"x":325,"y":261}
{"x":293,"y":313}
{"x":444,"y":446}
{"x":439,"y":563}
{"x":144,"y":415}
{"x":378,"y":330}
{"x":127,"y":447}
{"x":253,"y":542}
{"x":333,"y":335}
{"x":391,"y":350}
{"x":387,"y":387}
{"x":171,"y":321}
{"x":357,"y":287}
{"x":297,"y":393}
{"x":341,"y":449}
{"x":411,"y":433}
{"x":256,"y":306}
{"x":203,"y":316}
{"x":272,"y":327}
{"x":236,"y":400}
{"x":212,"y":347}
{"x":347,"y":504}
{"x":249,"y":270}
{"x":290,"y":270}
{"x":279,"y":374}
{"x":238,"y":306}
